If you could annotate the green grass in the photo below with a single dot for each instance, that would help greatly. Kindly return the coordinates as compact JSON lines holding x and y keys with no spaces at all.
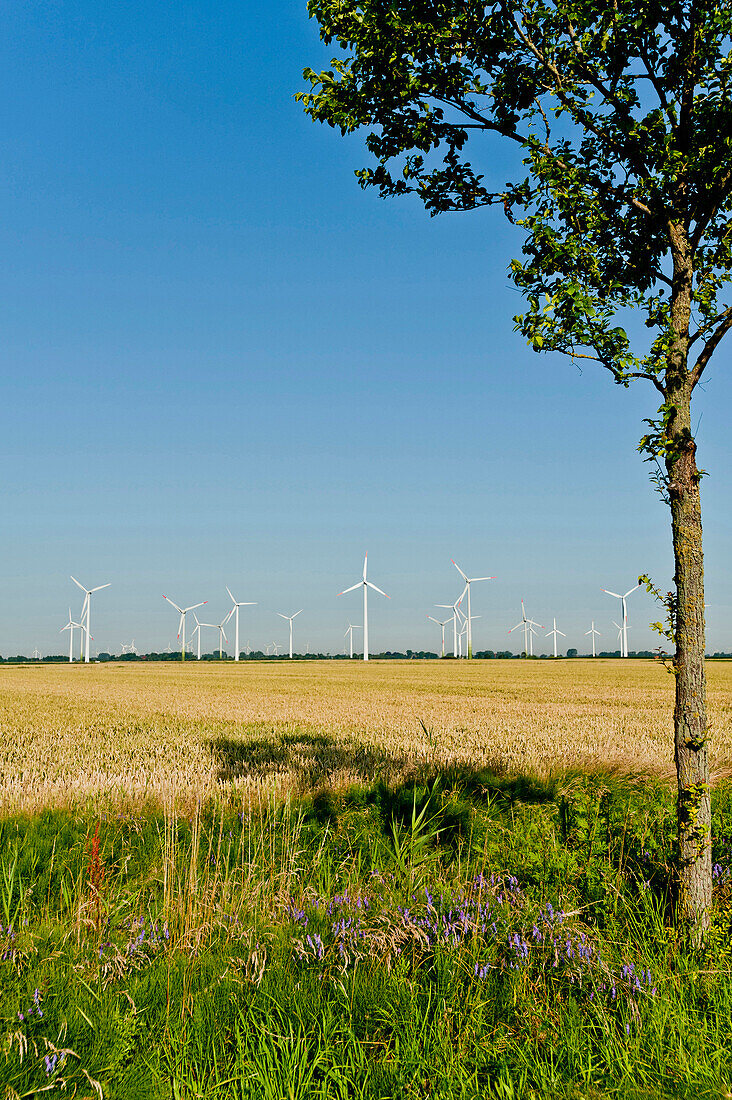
{"x":462,"y":935}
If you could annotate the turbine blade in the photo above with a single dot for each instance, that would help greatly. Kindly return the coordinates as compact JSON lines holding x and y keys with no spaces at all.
{"x":365,"y":559}
{"x":370,"y":585}
{"x":229,"y":591}
{"x":481,"y":579}
{"x":631,"y":590}
{"x":101,"y":586}
{"x":615,"y":594}
{"x":81,"y":586}
{"x":282,"y":616}
{"x":175,"y":605}
{"x":196,"y":605}
{"x":298,"y":613}
{"x":351,"y":589}
{"x":463,"y":575}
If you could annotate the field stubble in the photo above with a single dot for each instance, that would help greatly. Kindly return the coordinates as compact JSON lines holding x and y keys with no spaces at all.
{"x":131,"y":732}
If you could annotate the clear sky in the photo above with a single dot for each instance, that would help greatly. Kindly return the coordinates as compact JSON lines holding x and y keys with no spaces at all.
{"x":224,"y":363}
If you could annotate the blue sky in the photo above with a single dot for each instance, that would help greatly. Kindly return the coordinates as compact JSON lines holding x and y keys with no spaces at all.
{"x":224,"y":363}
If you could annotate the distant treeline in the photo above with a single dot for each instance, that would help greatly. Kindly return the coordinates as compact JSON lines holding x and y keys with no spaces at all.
{"x":387,"y":655}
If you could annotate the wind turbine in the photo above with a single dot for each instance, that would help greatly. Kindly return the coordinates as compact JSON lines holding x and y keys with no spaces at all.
{"x":70,"y":626}
{"x":528,"y":630}
{"x":129,"y":648}
{"x":454,"y":607}
{"x":276,"y":646}
{"x":624,"y":615}
{"x":289,"y":619}
{"x":222,"y":633}
{"x":553,"y":633}
{"x":442,"y":627}
{"x":197,"y":630}
{"x":593,"y":632}
{"x":349,"y":634}
{"x":235,"y":612}
{"x":86,"y":611}
{"x":620,"y":636}
{"x":528,"y":625}
{"x":366,"y":585}
{"x":183,"y":611}
{"x":222,"y":636}
{"x":468,"y":582}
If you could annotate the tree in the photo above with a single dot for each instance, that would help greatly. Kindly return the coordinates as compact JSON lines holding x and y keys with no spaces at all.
{"x":622,"y":111}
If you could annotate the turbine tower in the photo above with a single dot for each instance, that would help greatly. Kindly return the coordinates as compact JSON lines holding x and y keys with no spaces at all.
{"x":624,"y":616}
{"x":183,"y":611}
{"x":70,"y":626}
{"x":468,"y":582}
{"x":349,"y":635}
{"x":593,"y":632}
{"x":553,"y":633}
{"x":528,"y":625}
{"x":442,"y":626}
{"x":235,"y":612}
{"x":365,"y":585}
{"x":86,"y":611}
{"x":289,"y":619}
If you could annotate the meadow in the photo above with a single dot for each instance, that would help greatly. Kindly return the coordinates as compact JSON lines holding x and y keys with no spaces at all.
{"x":400,"y":880}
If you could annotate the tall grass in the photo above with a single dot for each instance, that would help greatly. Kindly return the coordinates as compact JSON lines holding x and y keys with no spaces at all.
{"x":457,"y":935}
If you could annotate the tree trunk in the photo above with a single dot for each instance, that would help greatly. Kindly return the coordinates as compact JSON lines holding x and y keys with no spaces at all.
{"x":694,"y":867}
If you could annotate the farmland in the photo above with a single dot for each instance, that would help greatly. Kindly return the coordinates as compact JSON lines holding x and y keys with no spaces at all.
{"x":129,"y":732}
{"x":295,"y":881}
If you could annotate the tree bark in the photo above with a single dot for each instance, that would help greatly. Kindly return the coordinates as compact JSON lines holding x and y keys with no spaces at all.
{"x":694,"y":861}
{"x":694,"y":819}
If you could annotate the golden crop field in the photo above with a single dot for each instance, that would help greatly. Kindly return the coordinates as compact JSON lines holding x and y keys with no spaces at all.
{"x":127,"y":732}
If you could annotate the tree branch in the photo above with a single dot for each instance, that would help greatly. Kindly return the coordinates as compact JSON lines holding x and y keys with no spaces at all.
{"x":659,"y":91}
{"x":710,"y":324}
{"x":706,"y":353}
{"x":618,"y":375}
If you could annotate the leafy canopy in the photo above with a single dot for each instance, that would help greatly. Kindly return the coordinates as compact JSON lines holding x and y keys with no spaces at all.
{"x":623,"y":114}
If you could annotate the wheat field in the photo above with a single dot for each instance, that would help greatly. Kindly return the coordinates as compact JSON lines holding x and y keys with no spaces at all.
{"x":127,"y":733}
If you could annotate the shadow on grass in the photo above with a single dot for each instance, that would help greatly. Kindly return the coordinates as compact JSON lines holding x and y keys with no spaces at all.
{"x":313,"y":758}
{"x":593,"y":810}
